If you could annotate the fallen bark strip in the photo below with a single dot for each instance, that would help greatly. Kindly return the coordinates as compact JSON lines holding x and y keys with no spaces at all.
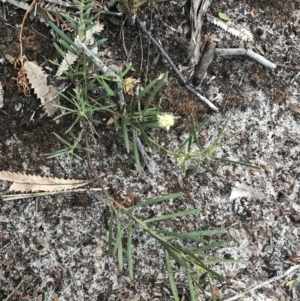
{"x":204,"y":63}
{"x":240,"y":51}
{"x":260,"y":285}
{"x":192,"y":90}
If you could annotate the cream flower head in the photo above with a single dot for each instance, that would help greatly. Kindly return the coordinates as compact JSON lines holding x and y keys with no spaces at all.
{"x":166,"y":120}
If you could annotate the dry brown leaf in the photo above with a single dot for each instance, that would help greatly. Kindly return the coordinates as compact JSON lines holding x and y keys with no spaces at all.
{"x":91,"y":289}
{"x":216,"y":292}
{"x":256,"y":249}
{"x":2,"y":237}
{"x":110,"y":121}
{"x":235,"y":234}
{"x":294,"y":108}
{"x":230,"y":274}
{"x":39,"y":298}
{"x":56,"y":298}
{"x":269,"y":232}
{"x":10,"y":58}
{"x":130,"y":194}
{"x":290,"y":283}
{"x":130,"y":81}
{"x":25,"y":183}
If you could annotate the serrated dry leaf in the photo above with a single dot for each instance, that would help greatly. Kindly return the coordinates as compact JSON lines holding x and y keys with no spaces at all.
{"x":97,"y":28}
{"x":38,"y":80}
{"x":242,"y":33}
{"x":26,"y":183}
{"x":69,"y":60}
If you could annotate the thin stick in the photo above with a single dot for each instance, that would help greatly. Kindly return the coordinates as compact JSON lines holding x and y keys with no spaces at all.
{"x":260,"y":285}
{"x":180,"y":76}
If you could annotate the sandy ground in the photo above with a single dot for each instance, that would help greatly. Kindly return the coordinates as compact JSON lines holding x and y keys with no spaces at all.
{"x":50,"y":244}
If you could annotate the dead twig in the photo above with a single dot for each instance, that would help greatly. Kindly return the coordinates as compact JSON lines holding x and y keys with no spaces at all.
{"x":15,"y":290}
{"x":260,"y":285}
{"x":241,"y":51}
{"x":180,"y":76}
{"x":22,"y":26}
{"x":288,"y":66}
{"x":102,"y":68}
{"x":148,"y":162}
{"x":142,"y":52}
